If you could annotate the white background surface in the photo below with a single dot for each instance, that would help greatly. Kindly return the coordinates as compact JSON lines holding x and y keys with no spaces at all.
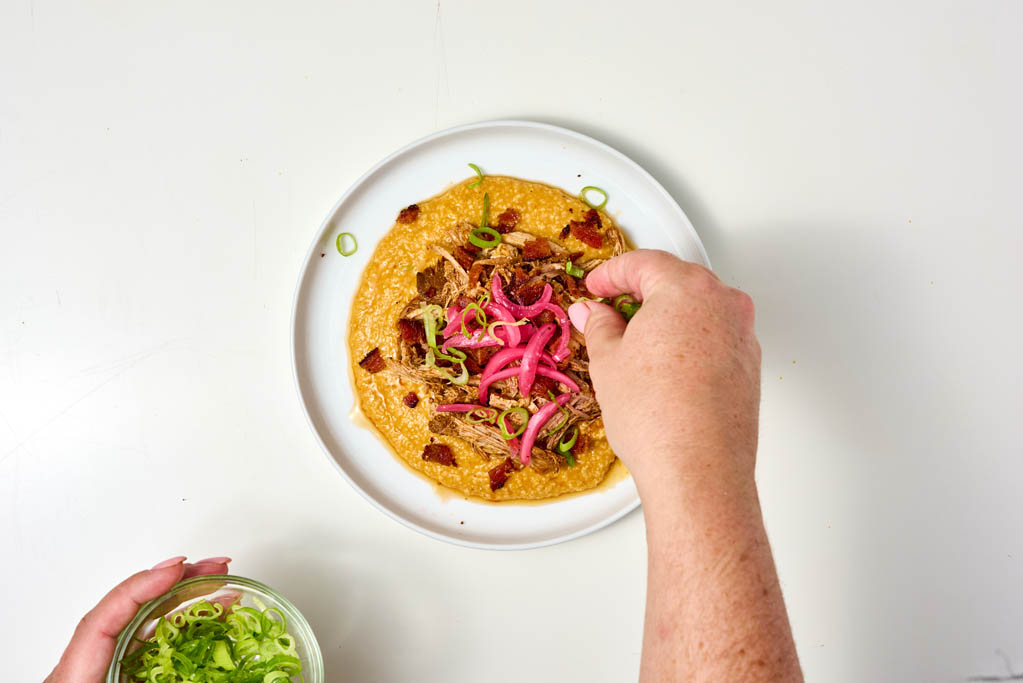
{"x":855,"y":167}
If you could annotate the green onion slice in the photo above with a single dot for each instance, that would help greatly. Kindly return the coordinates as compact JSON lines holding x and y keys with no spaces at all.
{"x":484,"y":238}
{"x":340,"y":244}
{"x":497,"y":323}
{"x":431,"y":362}
{"x":626,"y":305}
{"x":573,"y":270}
{"x":479,"y":174}
{"x":485,"y":219}
{"x":503,"y":426}
{"x":593,"y":188}
{"x":205,"y":641}
{"x":567,"y":441}
{"x":481,"y":318}
{"x":478,"y":415}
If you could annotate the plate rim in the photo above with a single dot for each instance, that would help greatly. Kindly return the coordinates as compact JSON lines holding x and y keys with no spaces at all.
{"x":315,"y":246}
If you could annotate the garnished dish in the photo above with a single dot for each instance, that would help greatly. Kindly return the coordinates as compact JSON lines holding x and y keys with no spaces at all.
{"x":210,"y":643}
{"x":462,"y":353}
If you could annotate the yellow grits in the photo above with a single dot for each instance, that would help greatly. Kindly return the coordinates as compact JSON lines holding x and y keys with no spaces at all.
{"x":387,"y":285}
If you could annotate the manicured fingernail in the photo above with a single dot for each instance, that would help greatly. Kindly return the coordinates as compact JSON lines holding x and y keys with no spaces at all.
{"x":171,"y":562}
{"x":213,"y":560}
{"x":579,"y":313}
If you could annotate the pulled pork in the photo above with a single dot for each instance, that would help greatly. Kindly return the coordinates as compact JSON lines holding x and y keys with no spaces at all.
{"x":462,"y":276}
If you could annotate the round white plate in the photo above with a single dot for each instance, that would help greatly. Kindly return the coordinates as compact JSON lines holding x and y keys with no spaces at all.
{"x":533,"y":151}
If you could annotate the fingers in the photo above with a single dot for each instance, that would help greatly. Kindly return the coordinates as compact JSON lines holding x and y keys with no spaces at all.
{"x":636,"y":272}
{"x":602,"y":325}
{"x":211,"y":565}
{"x":92,"y":646}
{"x":88,"y":655}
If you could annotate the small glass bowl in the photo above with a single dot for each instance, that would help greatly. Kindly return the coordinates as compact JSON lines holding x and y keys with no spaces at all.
{"x":225,"y":589}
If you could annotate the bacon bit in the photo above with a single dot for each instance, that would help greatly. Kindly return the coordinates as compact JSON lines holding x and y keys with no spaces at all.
{"x":464,"y":301}
{"x":528,"y":292}
{"x":565,"y":231}
{"x":483,"y":355}
{"x":507,"y":221}
{"x":412,"y":331}
{"x":439,"y":453}
{"x":499,"y":474}
{"x":580,"y":445}
{"x":464,"y":258}
{"x":520,"y":276}
{"x":409,"y":214}
{"x":373,"y":362}
{"x":577,"y":287}
{"x":411,"y":399}
{"x":587,"y":230}
{"x":536,"y":249}
{"x":471,"y":248}
{"x":474,"y":274}
{"x":544,"y":318}
{"x":431,"y":292}
{"x":471,"y":362}
{"x":541,"y":385}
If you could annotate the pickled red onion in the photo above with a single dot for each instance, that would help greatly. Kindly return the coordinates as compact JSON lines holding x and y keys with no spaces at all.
{"x":529,"y":311}
{"x":531,"y":358}
{"x":538,"y":420}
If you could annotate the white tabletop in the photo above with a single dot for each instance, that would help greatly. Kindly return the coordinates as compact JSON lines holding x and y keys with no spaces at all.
{"x":163,"y":167}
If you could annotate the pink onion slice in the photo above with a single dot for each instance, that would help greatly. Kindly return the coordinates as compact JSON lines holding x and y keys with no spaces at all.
{"x":531,"y":358}
{"x":536,"y":423}
{"x":561,"y":353}
{"x":505,"y":356}
{"x":509,"y":333}
{"x":497,"y":290}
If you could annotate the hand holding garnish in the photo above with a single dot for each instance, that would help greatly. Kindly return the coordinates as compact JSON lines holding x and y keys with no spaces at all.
{"x":88,"y":655}
{"x":679,"y":391}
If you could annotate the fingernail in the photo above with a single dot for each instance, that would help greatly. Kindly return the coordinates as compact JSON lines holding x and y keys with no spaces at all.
{"x":579,"y":313}
{"x":213,"y":560}
{"x":171,"y":562}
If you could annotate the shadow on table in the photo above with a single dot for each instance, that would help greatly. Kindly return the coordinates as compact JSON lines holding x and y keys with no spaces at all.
{"x":360,"y":600}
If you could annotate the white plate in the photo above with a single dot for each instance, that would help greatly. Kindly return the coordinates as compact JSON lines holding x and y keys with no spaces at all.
{"x":533,"y":151}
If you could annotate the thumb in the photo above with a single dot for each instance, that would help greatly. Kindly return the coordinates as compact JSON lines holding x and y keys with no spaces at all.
{"x":602,"y":325}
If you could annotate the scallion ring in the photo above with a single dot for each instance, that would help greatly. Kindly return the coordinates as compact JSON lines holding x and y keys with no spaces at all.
{"x":588,"y":188}
{"x":497,"y":323}
{"x":565,"y":444}
{"x":341,"y":247}
{"x":481,"y":318}
{"x":573,"y":270}
{"x":481,"y":415}
{"x":626,"y":305}
{"x":502,"y":425}
{"x":479,"y":173}
{"x":484,"y":238}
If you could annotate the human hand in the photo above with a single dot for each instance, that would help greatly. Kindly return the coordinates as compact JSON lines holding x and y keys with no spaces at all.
{"x":88,"y":655}
{"x":679,"y":386}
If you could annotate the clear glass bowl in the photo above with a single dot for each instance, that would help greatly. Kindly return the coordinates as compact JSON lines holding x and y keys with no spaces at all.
{"x":223,"y":589}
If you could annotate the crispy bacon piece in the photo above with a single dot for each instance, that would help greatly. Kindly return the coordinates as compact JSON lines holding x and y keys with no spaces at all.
{"x":528,"y":292}
{"x":587,"y":230}
{"x":471,"y":248}
{"x":411,"y":399}
{"x":409,"y":214}
{"x":412,"y":331}
{"x":373,"y":362}
{"x":541,"y":385}
{"x":474,"y":274}
{"x":543,"y":318}
{"x":565,"y":232}
{"x":464,"y":257}
{"x":579,"y":447}
{"x":439,"y":453}
{"x":537,"y":249}
{"x":499,"y":474}
{"x":520,"y":276}
{"x":577,"y":287}
{"x":507,"y":221}
{"x":463,"y":300}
